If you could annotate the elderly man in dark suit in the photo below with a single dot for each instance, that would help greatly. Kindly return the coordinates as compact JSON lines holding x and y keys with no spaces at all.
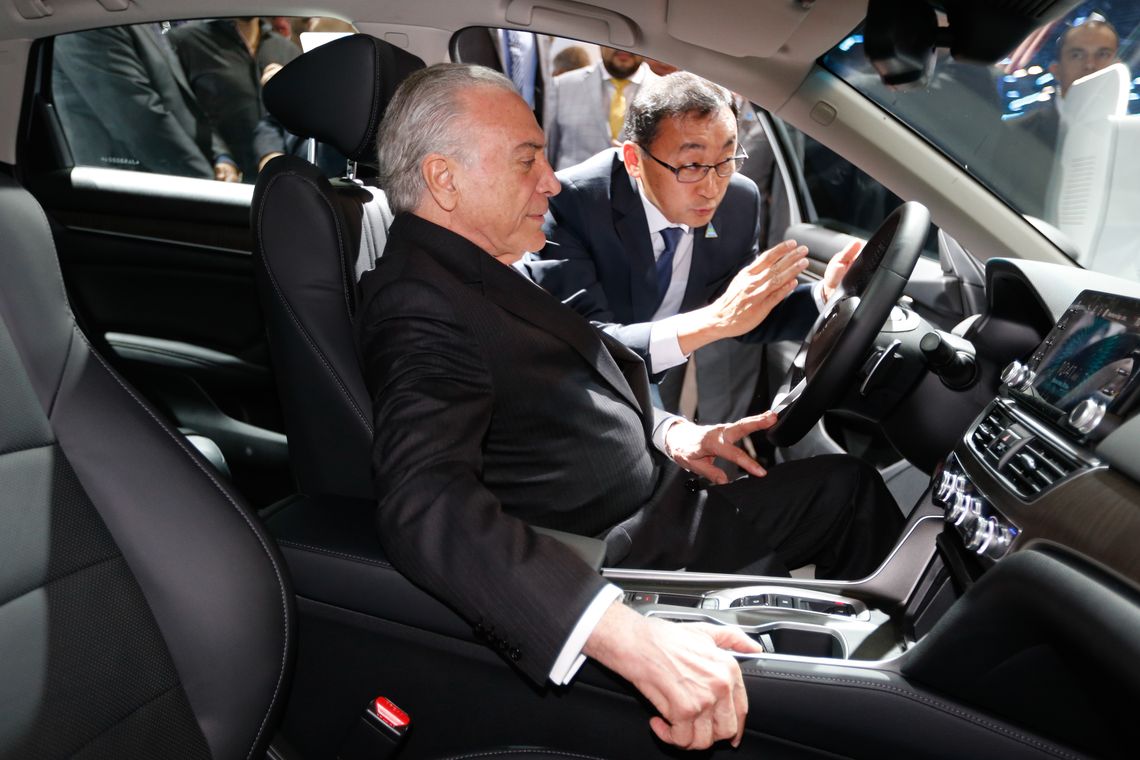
{"x":658,"y":241}
{"x":125,"y":103}
{"x":498,"y":408}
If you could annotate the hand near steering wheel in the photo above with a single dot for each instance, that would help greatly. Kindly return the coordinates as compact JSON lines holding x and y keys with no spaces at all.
{"x":836,"y":347}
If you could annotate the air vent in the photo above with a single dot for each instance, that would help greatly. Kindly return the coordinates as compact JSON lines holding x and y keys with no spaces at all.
{"x":987,"y":430}
{"x":1037,"y":466}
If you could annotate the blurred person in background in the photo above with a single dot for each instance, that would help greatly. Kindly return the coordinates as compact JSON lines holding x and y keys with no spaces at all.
{"x":226,"y":62}
{"x":587,"y":107}
{"x":125,"y":103}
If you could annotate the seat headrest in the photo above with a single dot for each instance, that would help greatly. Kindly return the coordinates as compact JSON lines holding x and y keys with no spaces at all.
{"x":337,"y":93}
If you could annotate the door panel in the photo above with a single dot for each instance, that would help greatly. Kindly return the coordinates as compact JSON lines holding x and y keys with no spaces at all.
{"x":160,"y":276}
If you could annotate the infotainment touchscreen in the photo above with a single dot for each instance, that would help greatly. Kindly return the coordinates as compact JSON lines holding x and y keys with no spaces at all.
{"x":1093,"y":352}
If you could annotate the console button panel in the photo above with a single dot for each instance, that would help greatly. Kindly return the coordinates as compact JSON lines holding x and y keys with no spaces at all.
{"x":982,"y":528}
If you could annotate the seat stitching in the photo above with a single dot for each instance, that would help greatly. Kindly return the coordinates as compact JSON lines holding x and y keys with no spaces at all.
{"x":63,"y":295}
{"x":322,"y":550}
{"x":49,"y":444}
{"x":45,"y":583}
{"x":916,"y":696}
{"x":180,"y":442}
{"x":289,"y":309}
{"x":126,"y":717}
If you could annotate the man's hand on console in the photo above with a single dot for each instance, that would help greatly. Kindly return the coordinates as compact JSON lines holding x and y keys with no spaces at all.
{"x":749,"y":298}
{"x":696,"y":447}
{"x":682,"y":668}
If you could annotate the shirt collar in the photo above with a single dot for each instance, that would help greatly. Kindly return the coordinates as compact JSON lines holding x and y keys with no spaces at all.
{"x":653,"y":215}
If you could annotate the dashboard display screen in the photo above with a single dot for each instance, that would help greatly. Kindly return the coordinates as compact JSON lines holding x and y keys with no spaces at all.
{"x":1092,"y":352}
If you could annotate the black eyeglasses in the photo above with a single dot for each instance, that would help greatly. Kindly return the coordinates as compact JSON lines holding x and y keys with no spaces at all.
{"x":690,"y":173}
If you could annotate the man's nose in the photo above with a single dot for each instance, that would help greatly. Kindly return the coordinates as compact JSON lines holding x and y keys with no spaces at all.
{"x":548,"y":185}
{"x":709,"y":186}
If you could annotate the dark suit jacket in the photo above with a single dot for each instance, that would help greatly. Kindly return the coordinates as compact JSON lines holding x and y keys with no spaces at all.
{"x":600,"y":257}
{"x":497,"y":407}
{"x":227,"y":81}
{"x":125,"y":103}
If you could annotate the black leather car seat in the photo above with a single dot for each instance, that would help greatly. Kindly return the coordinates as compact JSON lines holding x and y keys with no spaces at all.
{"x":143,"y":611}
{"x":308,"y":233}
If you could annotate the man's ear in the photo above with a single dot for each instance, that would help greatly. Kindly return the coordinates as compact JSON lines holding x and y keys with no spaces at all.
{"x":440,"y":181}
{"x":631,"y":157}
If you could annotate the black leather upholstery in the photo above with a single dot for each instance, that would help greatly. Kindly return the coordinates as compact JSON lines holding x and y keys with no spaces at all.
{"x":120,"y":543}
{"x":337,"y":92}
{"x":308,"y":232}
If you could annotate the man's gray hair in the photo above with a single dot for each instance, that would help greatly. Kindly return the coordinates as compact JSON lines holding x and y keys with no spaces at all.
{"x":677,"y":94}
{"x":423,"y":117}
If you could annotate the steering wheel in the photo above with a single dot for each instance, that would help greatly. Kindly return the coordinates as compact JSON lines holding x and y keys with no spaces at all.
{"x":837,"y":345}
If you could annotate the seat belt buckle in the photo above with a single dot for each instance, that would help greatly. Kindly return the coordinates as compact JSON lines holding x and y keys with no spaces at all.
{"x":378,"y":733}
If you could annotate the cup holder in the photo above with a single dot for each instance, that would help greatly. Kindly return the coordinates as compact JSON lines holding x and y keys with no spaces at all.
{"x":801,"y":640}
{"x":781,"y":636}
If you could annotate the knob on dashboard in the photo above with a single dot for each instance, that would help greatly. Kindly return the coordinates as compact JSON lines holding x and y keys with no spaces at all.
{"x":981,"y":534}
{"x":1016,"y":375}
{"x":1086,"y":415}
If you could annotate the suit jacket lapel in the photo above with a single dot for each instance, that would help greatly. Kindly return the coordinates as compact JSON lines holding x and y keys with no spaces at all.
{"x":633,"y":232}
{"x":515,"y":293}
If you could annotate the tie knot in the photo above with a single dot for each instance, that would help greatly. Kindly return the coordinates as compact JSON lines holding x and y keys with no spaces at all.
{"x":671,"y":236}
{"x":619,"y":84}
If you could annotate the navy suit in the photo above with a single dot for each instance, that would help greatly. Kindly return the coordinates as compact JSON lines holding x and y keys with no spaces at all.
{"x":600,"y":262}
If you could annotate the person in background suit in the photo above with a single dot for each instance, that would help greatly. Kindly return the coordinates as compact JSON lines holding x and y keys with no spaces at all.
{"x":124,"y":103}
{"x":587,"y":106}
{"x":1029,"y":143}
{"x":227,"y":61}
{"x":523,"y":57}
{"x":498,"y":408}
{"x":657,"y":241}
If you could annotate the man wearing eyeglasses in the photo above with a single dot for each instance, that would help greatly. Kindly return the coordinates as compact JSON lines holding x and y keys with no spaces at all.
{"x":657,"y":243}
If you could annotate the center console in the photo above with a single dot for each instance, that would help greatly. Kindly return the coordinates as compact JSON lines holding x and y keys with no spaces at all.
{"x":1008,"y":482}
{"x":1044,"y":431}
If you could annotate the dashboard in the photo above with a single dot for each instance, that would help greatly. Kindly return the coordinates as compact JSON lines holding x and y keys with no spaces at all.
{"x":1054,"y":457}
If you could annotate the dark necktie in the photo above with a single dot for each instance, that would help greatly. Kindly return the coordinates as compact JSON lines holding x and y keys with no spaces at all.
{"x":671,"y":236}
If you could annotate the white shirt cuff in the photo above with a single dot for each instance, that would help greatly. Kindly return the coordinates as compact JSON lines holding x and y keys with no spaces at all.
{"x":571,"y":657}
{"x":664,"y":348}
{"x":666,"y":421}
{"x":817,"y":296}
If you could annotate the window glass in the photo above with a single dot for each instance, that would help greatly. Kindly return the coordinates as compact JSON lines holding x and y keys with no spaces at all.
{"x":177,"y":98}
{"x":1053,"y":129}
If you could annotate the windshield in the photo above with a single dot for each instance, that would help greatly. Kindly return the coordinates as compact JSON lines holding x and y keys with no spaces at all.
{"x":1053,"y":129}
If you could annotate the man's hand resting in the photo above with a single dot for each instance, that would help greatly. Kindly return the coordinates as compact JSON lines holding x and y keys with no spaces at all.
{"x":695,"y":447}
{"x":682,"y":669}
{"x":749,"y":299}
